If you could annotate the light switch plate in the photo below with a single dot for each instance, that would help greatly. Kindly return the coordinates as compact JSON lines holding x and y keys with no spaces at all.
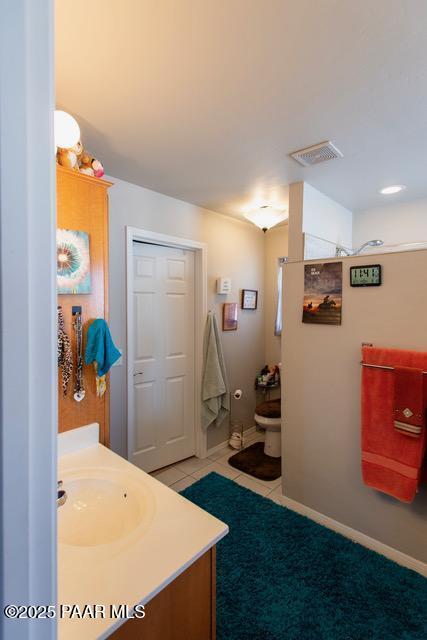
{"x":223,"y":286}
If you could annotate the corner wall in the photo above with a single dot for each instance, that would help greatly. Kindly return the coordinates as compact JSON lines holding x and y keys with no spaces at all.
{"x":235,"y":249}
{"x":28,"y":336}
{"x":321,"y":413}
{"x":326,"y":218}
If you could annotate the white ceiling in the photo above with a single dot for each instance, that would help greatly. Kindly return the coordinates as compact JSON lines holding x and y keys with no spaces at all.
{"x":204,"y":99}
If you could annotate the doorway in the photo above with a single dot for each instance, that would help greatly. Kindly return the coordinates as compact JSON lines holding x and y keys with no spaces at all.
{"x":166,"y":307}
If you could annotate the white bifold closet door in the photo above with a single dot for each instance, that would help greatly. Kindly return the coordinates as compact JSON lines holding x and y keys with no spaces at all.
{"x":163,"y":360}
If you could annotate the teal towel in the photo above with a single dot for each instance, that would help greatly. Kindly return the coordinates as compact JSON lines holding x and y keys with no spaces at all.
{"x":100,"y":347}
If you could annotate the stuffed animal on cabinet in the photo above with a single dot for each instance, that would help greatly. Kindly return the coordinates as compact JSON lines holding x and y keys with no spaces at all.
{"x":70,"y":158}
{"x":86,"y":164}
{"x":78,"y":159}
{"x":98,"y":169}
{"x":91,"y":166}
{"x":78,"y":150}
{"x":67,"y":158}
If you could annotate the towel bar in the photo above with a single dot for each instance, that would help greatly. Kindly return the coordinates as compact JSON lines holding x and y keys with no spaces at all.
{"x":381,"y":366}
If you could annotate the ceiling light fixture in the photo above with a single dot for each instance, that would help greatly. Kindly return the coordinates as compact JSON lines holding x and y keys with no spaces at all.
{"x":67,"y":131}
{"x":392,"y":189}
{"x":266,"y":216}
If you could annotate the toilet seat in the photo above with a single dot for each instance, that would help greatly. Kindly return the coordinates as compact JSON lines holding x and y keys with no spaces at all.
{"x":269,"y":408}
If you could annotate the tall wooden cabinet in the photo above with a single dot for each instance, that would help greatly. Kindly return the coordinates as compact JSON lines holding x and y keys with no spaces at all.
{"x":82,"y":205}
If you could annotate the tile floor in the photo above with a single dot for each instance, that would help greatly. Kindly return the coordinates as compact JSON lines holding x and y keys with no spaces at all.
{"x":181,"y":475}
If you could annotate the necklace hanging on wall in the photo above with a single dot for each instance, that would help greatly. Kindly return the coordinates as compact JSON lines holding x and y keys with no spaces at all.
{"x":79,"y":392}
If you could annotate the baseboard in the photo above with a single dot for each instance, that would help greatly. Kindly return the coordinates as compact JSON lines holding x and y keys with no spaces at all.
{"x":221,"y":445}
{"x":357,"y":536}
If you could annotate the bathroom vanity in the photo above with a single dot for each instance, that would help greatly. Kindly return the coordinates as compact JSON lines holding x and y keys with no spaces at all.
{"x":183,"y":609}
{"x":125,"y":539}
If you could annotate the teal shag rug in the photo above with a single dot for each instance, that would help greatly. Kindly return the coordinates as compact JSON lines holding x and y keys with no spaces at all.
{"x":281,"y":576}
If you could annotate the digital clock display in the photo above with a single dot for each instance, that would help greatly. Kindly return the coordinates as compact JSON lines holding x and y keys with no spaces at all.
{"x":368,"y":275}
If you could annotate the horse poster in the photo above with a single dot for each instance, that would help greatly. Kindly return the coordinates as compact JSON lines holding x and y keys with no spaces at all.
{"x":322,"y":293}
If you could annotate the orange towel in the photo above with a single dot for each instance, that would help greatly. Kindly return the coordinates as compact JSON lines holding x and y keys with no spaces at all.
{"x":409,"y":401}
{"x":391,"y":461}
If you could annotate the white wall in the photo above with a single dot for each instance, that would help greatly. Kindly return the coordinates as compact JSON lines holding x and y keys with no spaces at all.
{"x":325,"y":218}
{"x":394,"y":223}
{"x":321,"y":414}
{"x":276,"y":246}
{"x":235,"y":249}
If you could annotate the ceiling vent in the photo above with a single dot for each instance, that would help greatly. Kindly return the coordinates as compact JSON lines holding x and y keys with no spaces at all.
{"x":317,"y":153}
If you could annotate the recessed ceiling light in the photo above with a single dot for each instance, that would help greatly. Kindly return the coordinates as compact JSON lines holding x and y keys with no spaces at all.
{"x":393,"y":188}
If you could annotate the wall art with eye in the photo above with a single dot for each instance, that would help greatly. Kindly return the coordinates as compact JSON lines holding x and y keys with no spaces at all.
{"x":73,"y":261}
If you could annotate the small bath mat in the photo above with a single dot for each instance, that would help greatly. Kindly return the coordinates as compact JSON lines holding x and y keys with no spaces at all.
{"x":253,"y":461}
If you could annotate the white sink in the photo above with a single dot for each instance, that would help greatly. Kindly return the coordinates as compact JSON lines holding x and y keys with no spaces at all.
{"x":103,"y":506}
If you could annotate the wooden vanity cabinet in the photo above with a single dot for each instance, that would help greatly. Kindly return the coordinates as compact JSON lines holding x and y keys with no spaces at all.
{"x":184,"y":610}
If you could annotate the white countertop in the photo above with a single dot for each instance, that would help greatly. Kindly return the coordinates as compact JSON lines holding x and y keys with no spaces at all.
{"x":133,"y":569}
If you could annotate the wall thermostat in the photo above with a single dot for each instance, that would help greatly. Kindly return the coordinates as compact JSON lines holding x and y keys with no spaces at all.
{"x":223,"y":286}
{"x":367,"y":275}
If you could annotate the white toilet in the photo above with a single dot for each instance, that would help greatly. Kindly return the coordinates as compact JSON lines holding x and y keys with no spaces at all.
{"x":268,"y":417}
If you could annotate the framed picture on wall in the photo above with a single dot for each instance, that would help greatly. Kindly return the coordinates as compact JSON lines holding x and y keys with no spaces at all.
{"x":249,"y":298}
{"x":322,"y":293}
{"x":229,"y":316}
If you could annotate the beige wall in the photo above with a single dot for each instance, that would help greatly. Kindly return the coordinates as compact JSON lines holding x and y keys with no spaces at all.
{"x":276,"y":246}
{"x":394,"y":223}
{"x":321,"y":414}
{"x":235,"y":249}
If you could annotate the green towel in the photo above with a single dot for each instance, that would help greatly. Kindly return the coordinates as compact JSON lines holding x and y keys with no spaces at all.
{"x":100,"y":347}
{"x":215,"y":394}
